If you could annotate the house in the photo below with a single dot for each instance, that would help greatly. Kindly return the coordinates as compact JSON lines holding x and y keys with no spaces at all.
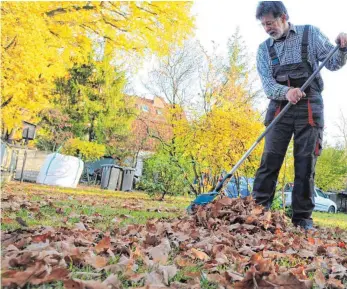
{"x":151,"y":125}
{"x":150,"y":128}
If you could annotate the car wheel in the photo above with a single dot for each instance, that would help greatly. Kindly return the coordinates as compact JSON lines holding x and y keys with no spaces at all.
{"x":331,"y":210}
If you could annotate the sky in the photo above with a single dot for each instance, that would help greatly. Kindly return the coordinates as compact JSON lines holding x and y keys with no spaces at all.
{"x":217,"y":20}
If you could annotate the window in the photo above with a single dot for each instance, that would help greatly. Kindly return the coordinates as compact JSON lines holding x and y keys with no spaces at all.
{"x":321,"y":194}
{"x":145,"y":108}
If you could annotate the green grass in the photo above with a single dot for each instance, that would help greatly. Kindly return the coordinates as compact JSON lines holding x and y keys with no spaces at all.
{"x":330,"y":220}
{"x":102,"y":209}
{"x":89,"y":202}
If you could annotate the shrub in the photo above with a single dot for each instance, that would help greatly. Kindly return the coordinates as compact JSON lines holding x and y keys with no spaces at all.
{"x":163,"y":176}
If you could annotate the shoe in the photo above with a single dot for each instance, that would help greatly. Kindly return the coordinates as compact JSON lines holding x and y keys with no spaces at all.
{"x":305,"y":224}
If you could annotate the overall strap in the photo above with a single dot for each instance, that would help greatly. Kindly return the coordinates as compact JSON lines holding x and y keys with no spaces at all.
{"x":272,"y":52}
{"x":304,"y":58}
{"x":304,"y":44}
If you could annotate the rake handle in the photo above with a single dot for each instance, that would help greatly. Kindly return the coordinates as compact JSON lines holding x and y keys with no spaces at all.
{"x":274,"y":121}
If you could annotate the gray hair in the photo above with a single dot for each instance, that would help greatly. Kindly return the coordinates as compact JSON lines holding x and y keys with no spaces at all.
{"x":276,"y":8}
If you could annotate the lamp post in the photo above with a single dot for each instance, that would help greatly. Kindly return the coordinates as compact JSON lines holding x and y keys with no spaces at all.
{"x":29,"y":131}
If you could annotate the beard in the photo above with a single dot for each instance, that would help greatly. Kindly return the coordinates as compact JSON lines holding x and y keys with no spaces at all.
{"x":275,"y":35}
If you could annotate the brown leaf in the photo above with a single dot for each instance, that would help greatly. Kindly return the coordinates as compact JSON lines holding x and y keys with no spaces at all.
{"x":96,"y":261}
{"x":250,"y":219}
{"x":41,"y":238}
{"x":232,"y":276}
{"x":158,"y":255}
{"x":59,"y":210}
{"x":81,"y":284}
{"x":20,"y":278}
{"x":200,"y":255}
{"x":103,"y":245}
{"x":74,"y":284}
{"x":137,"y":254}
{"x":154,"y":278}
{"x":183,"y":262}
{"x":161,"y":252}
{"x":168,"y":272}
{"x":152,"y":240}
{"x":299,"y":272}
{"x":23,"y":260}
{"x":113,"y":282}
{"x":217,"y":278}
{"x":333,"y":252}
{"x":319,"y":279}
{"x":257,"y":210}
{"x":306,"y":253}
{"x":91,"y":284}
{"x":335,"y":284}
{"x":7,"y":220}
{"x":288,"y":281}
{"x":80,"y":226}
{"x":57,"y":274}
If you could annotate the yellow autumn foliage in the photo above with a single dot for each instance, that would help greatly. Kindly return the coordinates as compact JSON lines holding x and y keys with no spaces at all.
{"x":41,"y":40}
{"x":221,"y":137}
{"x":88,"y":151}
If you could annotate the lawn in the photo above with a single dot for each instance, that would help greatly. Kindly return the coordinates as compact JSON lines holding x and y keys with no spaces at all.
{"x":53,"y":206}
{"x":330,"y":220}
{"x":64,"y":238}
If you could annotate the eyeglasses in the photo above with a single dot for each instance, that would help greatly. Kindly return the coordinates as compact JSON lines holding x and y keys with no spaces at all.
{"x":269,"y":23}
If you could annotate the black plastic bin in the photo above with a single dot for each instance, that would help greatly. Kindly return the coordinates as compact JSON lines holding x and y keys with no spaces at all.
{"x":111,"y":178}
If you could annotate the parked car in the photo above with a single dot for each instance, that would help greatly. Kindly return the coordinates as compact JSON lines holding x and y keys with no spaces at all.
{"x":322,"y":201}
{"x":241,"y":186}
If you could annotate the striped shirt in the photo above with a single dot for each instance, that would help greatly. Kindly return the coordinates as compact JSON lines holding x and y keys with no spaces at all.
{"x":289,"y":52}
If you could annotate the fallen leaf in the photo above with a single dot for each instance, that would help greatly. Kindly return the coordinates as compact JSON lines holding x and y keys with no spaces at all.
{"x":113,"y":282}
{"x":80,"y":226}
{"x":57,"y":274}
{"x":319,"y":279}
{"x":200,"y":255}
{"x":103,"y":245}
{"x":96,"y":261}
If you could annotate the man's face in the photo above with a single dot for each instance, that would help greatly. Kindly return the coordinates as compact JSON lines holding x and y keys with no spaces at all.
{"x":275,"y":27}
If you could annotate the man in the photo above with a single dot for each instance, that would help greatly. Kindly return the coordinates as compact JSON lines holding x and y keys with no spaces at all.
{"x":284,"y":62}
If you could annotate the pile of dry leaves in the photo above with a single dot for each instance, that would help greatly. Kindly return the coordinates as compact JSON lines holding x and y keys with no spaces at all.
{"x":233,"y":242}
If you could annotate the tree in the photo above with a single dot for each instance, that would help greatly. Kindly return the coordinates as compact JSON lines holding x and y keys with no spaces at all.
{"x":53,"y":129}
{"x":87,"y":151}
{"x":212,"y":139}
{"x":93,"y":99}
{"x":331,"y":169}
{"x":342,"y":127}
{"x":41,"y":40}
{"x":174,"y":75}
{"x":218,"y":138}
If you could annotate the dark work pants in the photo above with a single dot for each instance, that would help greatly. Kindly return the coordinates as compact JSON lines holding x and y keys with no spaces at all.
{"x":307,"y":146}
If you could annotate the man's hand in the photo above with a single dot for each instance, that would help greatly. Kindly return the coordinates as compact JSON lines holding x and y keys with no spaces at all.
{"x":294,"y":95}
{"x":342,"y":40}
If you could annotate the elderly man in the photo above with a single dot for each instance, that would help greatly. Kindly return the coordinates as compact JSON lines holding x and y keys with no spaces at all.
{"x":284,"y":62}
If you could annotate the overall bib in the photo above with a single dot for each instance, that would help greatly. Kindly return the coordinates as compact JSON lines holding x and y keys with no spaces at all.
{"x":305,"y":121}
